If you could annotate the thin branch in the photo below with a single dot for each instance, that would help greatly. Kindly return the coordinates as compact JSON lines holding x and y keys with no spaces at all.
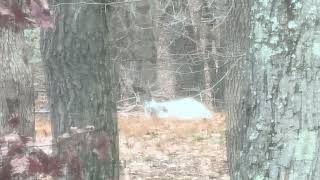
{"x":95,"y":3}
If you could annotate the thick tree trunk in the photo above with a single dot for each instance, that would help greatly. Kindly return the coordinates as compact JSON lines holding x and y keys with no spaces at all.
{"x":80,"y":76}
{"x":16,"y":90}
{"x":236,"y":82}
{"x":276,"y":136}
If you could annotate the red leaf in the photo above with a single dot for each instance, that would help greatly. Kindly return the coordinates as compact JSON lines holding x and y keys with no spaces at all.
{"x":75,"y":167}
{"x":19,"y":16}
{"x":35,"y":166}
{"x":13,"y":15}
{"x":101,"y":148}
{"x":14,"y":121}
{"x":40,"y":156}
{"x":43,"y":163}
{"x":54,"y":167}
{"x":73,"y":162}
{"x":41,"y":13}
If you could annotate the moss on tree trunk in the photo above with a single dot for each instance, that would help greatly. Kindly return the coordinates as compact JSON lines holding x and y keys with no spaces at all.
{"x":273,"y":127}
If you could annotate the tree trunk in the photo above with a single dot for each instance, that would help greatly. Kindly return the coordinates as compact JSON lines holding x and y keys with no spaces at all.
{"x":80,"y":76}
{"x":166,"y":76}
{"x":178,"y":68}
{"x":198,"y":9}
{"x":236,"y":82}
{"x":133,"y":47}
{"x":166,"y":71}
{"x":16,"y":90}
{"x":276,"y":136}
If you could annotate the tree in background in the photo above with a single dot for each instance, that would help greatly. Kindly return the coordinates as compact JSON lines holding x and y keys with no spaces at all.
{"x":181,"y":50}
{"x":80,"y":78}
{"x":273,"y":126}
{"x":207,"y":20}
{"x":133,"y":48}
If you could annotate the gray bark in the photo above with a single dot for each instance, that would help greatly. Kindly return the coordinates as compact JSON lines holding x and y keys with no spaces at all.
{"x":273,"y":131}
{"x":207,"y":18}
{"x":236,"y":83}
{"x":198,"y":10}
{"x":133,"y":47}
{"x":16,"y":90}
{"x":166,"y":76}
{"x":81,"y":78}
{"x":176,"y":40}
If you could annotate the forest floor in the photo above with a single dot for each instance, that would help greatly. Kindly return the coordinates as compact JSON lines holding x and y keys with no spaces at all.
{"x":172,"y":149}
{"x":165,"y":149}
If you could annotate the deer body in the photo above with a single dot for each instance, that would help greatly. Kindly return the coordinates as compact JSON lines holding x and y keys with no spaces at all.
{"x":185,"y":108}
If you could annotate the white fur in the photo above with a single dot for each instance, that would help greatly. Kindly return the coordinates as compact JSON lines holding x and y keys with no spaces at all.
{"x":185,"y":108}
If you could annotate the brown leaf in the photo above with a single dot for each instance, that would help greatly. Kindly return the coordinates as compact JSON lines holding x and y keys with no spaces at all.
{"x":14,"y":121}
{"x":41,"y":162}
{"x":35,"y":166}
{"x":102,"y":145}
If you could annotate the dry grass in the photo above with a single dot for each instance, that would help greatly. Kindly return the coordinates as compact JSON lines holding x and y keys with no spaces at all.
{"x":172,"y":149}
{"x":137,"y":125}
{"x":165,"y":148}
{"x":42,"y":125}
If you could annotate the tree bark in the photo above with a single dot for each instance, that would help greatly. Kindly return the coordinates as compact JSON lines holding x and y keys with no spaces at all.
{"x":178,"y":68}
{"x":198,"y":10}
{"x":273,"y":131}
{"x":236,"y":82}
{"x":166,"y":76}
{"x":16,"y":90}
{"x":80,"y":76}
{"x":133,"y":47}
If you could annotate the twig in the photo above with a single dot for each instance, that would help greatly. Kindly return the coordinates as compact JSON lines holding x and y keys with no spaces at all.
{"x":95,"y":3}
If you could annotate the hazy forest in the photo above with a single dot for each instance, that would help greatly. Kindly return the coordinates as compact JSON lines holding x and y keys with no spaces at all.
{"x":159,"y":89}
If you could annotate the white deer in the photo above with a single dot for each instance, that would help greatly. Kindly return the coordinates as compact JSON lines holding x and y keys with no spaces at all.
{"x":184,"y":109}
